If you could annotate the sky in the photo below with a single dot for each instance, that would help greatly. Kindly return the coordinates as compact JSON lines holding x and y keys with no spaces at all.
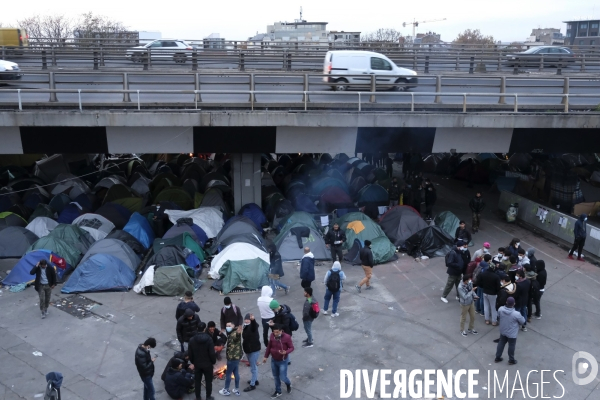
{"x":508,"y":20}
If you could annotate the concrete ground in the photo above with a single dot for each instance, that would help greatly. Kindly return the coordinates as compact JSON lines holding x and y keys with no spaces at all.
{"x":401,"y":324}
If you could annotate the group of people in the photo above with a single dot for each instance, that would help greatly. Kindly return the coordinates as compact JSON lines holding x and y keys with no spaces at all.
{"x":501,"y":288}
{"x":415,"y":192}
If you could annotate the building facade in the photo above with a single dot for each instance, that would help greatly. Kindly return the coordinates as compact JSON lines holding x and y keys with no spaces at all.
{"x":299,"y":30}
{"x":583,"y":32}
{"x":545,"y":37}
{"x":341,"y":36}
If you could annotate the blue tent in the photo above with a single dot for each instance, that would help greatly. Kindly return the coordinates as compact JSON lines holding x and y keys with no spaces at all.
{"x":254,"y":213}
{"x":194,"y":230}
{"x":140,"y":228}
{"x":70,"y":212}
{"x":303,"y":203}
{"x":20,"y":273}
{"x":100,"y":273}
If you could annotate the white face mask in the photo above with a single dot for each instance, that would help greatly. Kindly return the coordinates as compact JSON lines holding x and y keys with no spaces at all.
{"x":464,"y":249}
{"x":585,"y":219}
{"x":518,"y":244}
{"x":499,"y":255}
{"x":470,"y":281}
{"x":229,"y":329}
{"x":228,"y":307}
{"x":520,"y":257}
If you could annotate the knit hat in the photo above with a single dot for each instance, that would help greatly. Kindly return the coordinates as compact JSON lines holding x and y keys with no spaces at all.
{"x":510,"y":302}
{"x":460,"y":243}
{"x":247,"y":316}
{"x":273,"y":304}
{"x":227,"y":301}
{"x":484,"y":265}
{"x":486,"y":245}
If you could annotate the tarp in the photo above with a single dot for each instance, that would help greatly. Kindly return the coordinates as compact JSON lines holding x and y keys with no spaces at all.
{"x":208,"y":218}
{"x":448,"y":222}
{"x":235,"y":252}
{"x":73,"y":235}
{"x":172,"y":280}
{"x":95,"y":224}
{"x":129,"y":240}
{"x":42,"y":226}
{"x":383,"y":251}
{"x":20,"y":272}
{"x":100,"y":273}
{"x":140,"y":228}
{"x":401,"y":222}
{"x":182,"y":226}
{"x":288,"y":248}
{"x":184,"y":240}
{"x":373,"y":195}
{"x":249,"y":274}
{"x":59,"y":247}
{"x":115,"y":248}
{"x":370,"y":228}
{"x":255,"y":214}
{"x":14,"y":241}
{"x":431,"y":242}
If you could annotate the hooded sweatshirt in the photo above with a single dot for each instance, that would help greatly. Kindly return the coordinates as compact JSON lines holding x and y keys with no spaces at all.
{"x":465,"y":293}
{"x":336,"y":267}
{"x":263,"y":303}
{"x":530,"y":253}
{"x":307,"y":267}
{"x":580,"y":229}
{"x":509,"y":319}
{"x":542,"y":274}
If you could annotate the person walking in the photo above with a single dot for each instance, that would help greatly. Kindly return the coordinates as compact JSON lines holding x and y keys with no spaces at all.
{"x":366,"y":261}
{"x":462,"y":233}
{"x":279,"y":348}
{"x":266,"y":313}
{"x":144,"y":363}
{"x":45,"y":281}
{"x":334,"y":282}
{"x":394,"y":194}
{"x":202,"y":355}
{"x":466,"y":294}
{"x":580,"y":232}
{"x":489,"y":281}
{"x":188,"y":302}
{"x":542,"y":276}
{"x":230,"y":313}
{"x":187,"y":327}
{"x":334,"y":240}
{"x":523,"y":287}
{"x":234,"y":355}
{"x":509,"y":319}
{"x":477,"y":205}
{"x":307,"y":268}
{"x":430,"y":198}
{"x":308,"y":316}
{"x":276,"y":273}
{"x":251,"y":346}
{"x":455,"y":266}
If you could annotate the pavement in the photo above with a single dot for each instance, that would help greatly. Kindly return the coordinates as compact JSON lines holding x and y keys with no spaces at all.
{"x":400,"y":324}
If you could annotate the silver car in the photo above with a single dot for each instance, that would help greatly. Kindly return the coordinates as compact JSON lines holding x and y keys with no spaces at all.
{"x":9,"y":71}
{"x":162,"y":49}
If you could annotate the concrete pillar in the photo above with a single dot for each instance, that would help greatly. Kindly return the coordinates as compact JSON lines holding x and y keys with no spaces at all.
{"x":246,"y":179}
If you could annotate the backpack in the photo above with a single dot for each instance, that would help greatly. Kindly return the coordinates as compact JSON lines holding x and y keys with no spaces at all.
{"x":293,"y":323}
{"x":476,"y":273}
{"x":449,"y":257}
{"x":51,"y":392}
{"x":334,"y":282}
{"x":314,"y":310}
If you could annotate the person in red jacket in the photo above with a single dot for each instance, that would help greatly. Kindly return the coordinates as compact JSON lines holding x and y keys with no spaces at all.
{"x":280,"y":345}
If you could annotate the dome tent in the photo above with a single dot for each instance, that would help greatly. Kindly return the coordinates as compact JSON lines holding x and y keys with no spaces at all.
{"x":383,"y":251}
{"x":41,"y":226}
{"x":100,"y":273}
{"x":431,"y":242}
{"x":95,"y":224}
{"x":235,"y":252}
{"x":20,"y":272}
{"x":401,"y":222}
{"x":59,"y":247}
{"x":357,"y":225}
{"x":294,"y":237}
{"x":172,"y":280}
{"x":14,"y":241}
{"x":115,"y":248}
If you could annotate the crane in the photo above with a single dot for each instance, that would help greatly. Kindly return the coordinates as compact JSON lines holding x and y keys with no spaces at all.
{"x":416,"y":23}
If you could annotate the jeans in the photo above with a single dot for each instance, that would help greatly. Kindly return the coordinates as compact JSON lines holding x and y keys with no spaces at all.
{"x":206,"y":371}
{"x":279,"y":370}
{"x":148,"y":388}
{"x":233,"y":367}
{"x":252,"y":359}
{"x":489,"y":305}
{"x":45,"y":293}
{"x":274,"y":285}
{"x":577,"y":245}
{"x":470,"y":309}
{"x":265,"y":325}
{"x":512,"y":343}
{"x":367,"y":279}
{"x":479,"y":307}
{"x":182,"y":346}
{"x":534,"y":300}
{"x":538,"y":310}
{"x":336,"y":300}
{"x":336,"y":252}
{"x":523,"y":311}
{"x":452,"y":281}
{"x":476,"y":221}
{"x":308,"y":330}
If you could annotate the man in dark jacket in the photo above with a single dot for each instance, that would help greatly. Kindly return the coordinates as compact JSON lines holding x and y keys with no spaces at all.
{"x":542,"y":276}
{"x":489,"y":281}
{"x":45,"y":281}
{"x":144,"y":363}
{"x":251,"y":346}
{"x":523,"y":287}
{"x":185,"y":359}
{"x":282,"y":316}
{"x":430,"y":199}
{"x":366,"y":261}
{"x":580,"y":232}
{"x":187,"y":327}
{"x":389,"y":166}
{"x":188,"y":302}
{"x":477,"y":205}
{"x":335,"y":239}
{"x":202,"y":355}
{"x":219,"y":338}
{"x":177,"y":381}
{"x":534,"y":291}
{"x":276,"y":273}
{"x":307,"y":268}
{"x":394,"y":194}
{"x":462,"y":233}
{"x":417,"y":195}
{"x":455,"y":265}
{"x":230,"y":313}
{"x":308,"y":317}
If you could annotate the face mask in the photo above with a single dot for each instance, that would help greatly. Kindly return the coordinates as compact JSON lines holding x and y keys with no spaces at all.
{"x":585,"y":219}
{"x":228,"y":307}
{"x":229,"y":329}
{"x":499,"y":255}
{"x":469,"y":281}
{"x":517,"y":244}
{"x":520,"y":257}
{"x":245,"y":324}
{"x":464,"y":249}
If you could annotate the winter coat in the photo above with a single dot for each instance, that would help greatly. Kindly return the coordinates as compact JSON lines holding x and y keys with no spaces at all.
{"x":463,"y":234}
{"x":234,"y":346}
{"x":522,"y":293}
{"x":394,"y":193}
{"x":282,"y":317}
{"x":307,"y":267}
{"x":489,"y":281}
{"x":201,"y":350}
{"x":179,"y":355}
{"x":182,"y":306}
{"x":231,"y":314}
{"x":275,"y":345}
{"x":186,"y":328}
{"x":580,"y":230}
{"x":143,"y":362}
{"x":542,"y":273}
{"x":177,"y":383}
{"x":430,"y":195}
{"x":306,"y":309}
{"x":512,"y":251}
{"x":534,"y":288}
{"x":336,"y":267}
{"x":532,"y":259}
{"x":335,"y":236}
{"x":50,"y":275}
{"x":509,"y":320}
{"x":455,"y":264}
{"x":251,"y":338}
{"x":477,"y":204}
{"x":264,"y":301}
{"x":366,"y":257}
{"x":465,"y":294}
{"x":504,"y":293}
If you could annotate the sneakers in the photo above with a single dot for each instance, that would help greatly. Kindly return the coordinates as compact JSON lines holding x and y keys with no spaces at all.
{"x":335,"y":315}
{"x":286,"y":290}
{"x":289,"y":388}
{"x":224,"y":392}
{"x":538,"y":316}
{"x":324,"y":312}
{"x":305,"y":341}
{"x":444,"y":299}
{"x":43,"y":315}
{"x":357,"y":288}
{"x":464,"y":333}
{"x":498,"y":359}
{"x":473,"y":332}
{"x":513,"y":362}
{"x":250,"y":388}
{"x":457,"y":298}
{"x":236,"y":392}
{"x":570,"y":257}
{"x":307,"y":344}
{"x":275,"y":395}
{"x":524,"y":328}
{"x":255,"y":383}
{"x":369,"y":287}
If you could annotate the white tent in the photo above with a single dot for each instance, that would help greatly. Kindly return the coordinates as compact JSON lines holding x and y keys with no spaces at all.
{"x":146,"y":280}
{"x":236,"y":252}
{"x":98,"y":226}
{"x":42,"y":226}
{"x":210,"y":219}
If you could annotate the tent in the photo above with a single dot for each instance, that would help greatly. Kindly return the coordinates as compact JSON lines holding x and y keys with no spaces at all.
{"x":302,"y":202}
{"x":42,"y":226}
{"x":73,"y":235}
{"x":184,"y":240}
{"x":171,"y":255}
{"x":357,"y":225}
{"x":235,"y":252}
{"x":115,"y":248}
{"x":140,"y":185}
{"x":95,"y":224}
{"x":70,"y":185}
{"x":10,"y":219}
{"x":133,"y":204}
{"x":59,"y":202}
{"x":373,"y":195}
{"x":173,"y":280}
{"x":291,"y":246}
{"x":184,"y":225}
{"x":301,"y":217}
{"x":236,"y":226}
{"x":129,"y":240}
{"x":401,"y":222}
{"x":176,"y":195}
{"x":249,"y":274}
{"x":324,"y":182}
{"x":14,"y":241}
{"x":432,"y":241}
{"x":71,"y":212}
{"x":208,"y":218}
{"x":115,"y":213}
{"x":383,"y":251}
{"x":140,"y":228}
{"x":59,"y":247}
{"x":100,"y":273}
{"x":214,"y":198}
{"x":448,"y":222}
{"x":20,"y":273}
{"x":334,"y":197}
{"x":255,"y":214}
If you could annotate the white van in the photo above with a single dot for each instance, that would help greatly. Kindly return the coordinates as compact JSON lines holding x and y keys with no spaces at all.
{"x":340,"y":65}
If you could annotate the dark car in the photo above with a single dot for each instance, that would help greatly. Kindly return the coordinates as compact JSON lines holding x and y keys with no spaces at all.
{"x":553,"y":56}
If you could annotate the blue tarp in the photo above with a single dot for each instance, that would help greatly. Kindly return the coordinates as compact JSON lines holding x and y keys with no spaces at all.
{"x":140,"y":228}
{"x":100,"y":273}
{"x":254,"y":213}
{"x":20,"y":272}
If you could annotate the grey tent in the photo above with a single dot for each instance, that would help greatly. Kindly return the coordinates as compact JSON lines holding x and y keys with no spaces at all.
{"x":115,"y":248}
{"x":248,"y":274}
{"x":294,"y":237}
{"x":249,"y":238}
{"x":169,"y":255}
{"x":401,"y":222}
{"x":42,"y":226}
{"x":236,"y":226}
{"x":70,"y":185}
{"x":129,"y":240}
{"x":214,"y":198}
{"x":14,"y":241}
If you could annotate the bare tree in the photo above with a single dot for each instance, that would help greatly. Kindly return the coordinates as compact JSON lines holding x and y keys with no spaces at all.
{"x":474,"y":37}
{"x":382,"y":35}
{"x":48,"y":29}
{"x":98,"y":27}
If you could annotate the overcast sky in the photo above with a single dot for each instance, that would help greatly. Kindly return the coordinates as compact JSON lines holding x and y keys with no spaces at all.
{"x":507,"y":20}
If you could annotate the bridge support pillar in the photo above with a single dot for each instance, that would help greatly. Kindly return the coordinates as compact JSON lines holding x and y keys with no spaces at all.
{"x":246,"y":171}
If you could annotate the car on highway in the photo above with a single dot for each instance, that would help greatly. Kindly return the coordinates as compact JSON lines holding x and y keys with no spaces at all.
{"x":348,"y":68}
{"x":9,"y":71}
{"x":553,"y":56}
{"x":162,"y":49}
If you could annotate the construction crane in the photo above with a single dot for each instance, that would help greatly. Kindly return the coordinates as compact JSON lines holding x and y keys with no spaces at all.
{"x":416,"y":23}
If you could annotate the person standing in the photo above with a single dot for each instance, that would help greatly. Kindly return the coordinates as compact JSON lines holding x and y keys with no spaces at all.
{"x":542,"y":277}
{"x":230,"y":313}
{"x":489,"y":281}
{"x":417,"y":194}
{"x":462,"y":233}
{"x":510,"y":319}
{"x":455,"y":266}
{"x":308,"y":316}
{"x":202,"y":355}
{"x":233,"y":355}
{"x":482,"y":252}
{"x":580,"y":232}
{"x":466,"y":294}
{"x":307,"y":268}
{"x":532,"y":258}
{"x":430,"y":198}
{"x":144,"y":363}
{"x":366,"y":261}
{"x":522,"y":257}
{"x":406,"y":165}
{"x":188,"y":302}
{"x":523,"y":287}
{"x":394,"y":194}
{"x":251,"y":346}
{"x":334,"y":282}
{"x":266,"y":314}
{"x":187,"y":327}
{"x":477,"y":205}
{"x":389,"y":165}
{"x":45,"y":281}
{"x":279,"y":348}
{"x":513,"y":248}
{"x":335,"y":239}
{"x":534,"y":291}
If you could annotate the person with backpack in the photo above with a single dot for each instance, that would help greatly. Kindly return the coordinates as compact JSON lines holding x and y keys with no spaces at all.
{"x":307,"y":268}
{"x":279,"y":348}
{"x":541,"y":278}
{"x":230,"y":313}
{"x":476,"y":205}
{"x":366,"y":261}
{"x":335,"y":239}
{"x":334,"y":282}
{"x":467,"y":295}
{"x":251,"y":346}
{"x":187,"y":327}
{"x":310,"y":311}
{"x":489,"y":281}
{"x":188,"y":302}
{"x":455,"y":265}
{"x":580,"y":232}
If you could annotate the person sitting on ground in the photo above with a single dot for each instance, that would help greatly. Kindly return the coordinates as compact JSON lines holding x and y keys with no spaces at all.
{"x":188,"y":302}
{"x":185,"y":359}
{"x":178,"y":382}
{"x":219,"y":338}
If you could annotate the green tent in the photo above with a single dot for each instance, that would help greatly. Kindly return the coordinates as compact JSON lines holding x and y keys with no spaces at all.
{"x":118,"y":191}
{"x":177,"y":195}
{"x":163,"y":181}
{"x":251,"y":274}
{"x":383,"y":250}
{"x":173,"y":280}
{"x":371,"y":229}
{"x":133,"y":204}
{"x":301,"y":217}
{"x":74,"y":236}
{"x":324,"y":182}
{"x":184,"y":240}
{"x":58,"y":247}
{"x":448,"y":222}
